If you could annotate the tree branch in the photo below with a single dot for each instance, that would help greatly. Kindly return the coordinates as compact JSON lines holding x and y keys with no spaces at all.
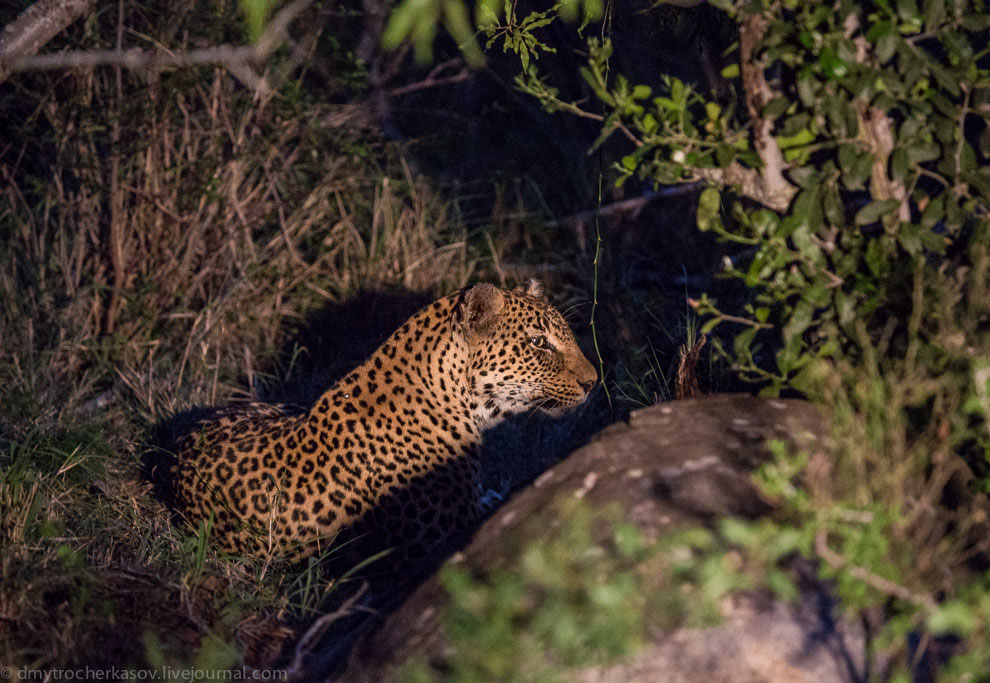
{"x":839,"y":563}
{"x":34,"y":27}
{"x":751,"y":183}
{"x":434,"y":78}
{"x":630,"y":207}
{"x":774,"y":189}
{"x":876,"y":130}
{"x":237,"y":58}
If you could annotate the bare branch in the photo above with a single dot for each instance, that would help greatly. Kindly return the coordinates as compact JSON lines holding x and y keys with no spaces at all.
{"x":627,"y":207}
{"x":876,"y":130}
{"x":839,"y":563}
{"x":304,"y":648}
{"x":136,"y":59}
{"x":239,"y":59}
{"x":774,"y":189}
{"x":34,"y":27}
{"x":750,"y":183}
{"x":434,"y":78}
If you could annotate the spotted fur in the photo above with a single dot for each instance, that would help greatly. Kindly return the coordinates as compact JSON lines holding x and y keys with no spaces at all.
{"x":391,"y":450}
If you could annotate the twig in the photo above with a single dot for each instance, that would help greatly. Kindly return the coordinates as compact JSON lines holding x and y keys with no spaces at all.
{"x":238,"y":59}
{"x":838,"y":562}
{"x":957,"y":157}
{"x":311,"y":638}
{"x":776,"y":191}
{"x":633,"y":206}
{"x":628,"y":133}
{"x":750,"y":183}
{"x":34,"y":27}
{"x":432,"y":80}
{"x":725,"y":317}
{"x":876,"y":129}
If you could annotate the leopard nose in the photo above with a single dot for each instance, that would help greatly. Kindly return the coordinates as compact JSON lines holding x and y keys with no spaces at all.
{"x":588,"y":385}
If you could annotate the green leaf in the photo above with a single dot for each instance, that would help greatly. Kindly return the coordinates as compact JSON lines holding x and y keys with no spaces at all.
{"x":807,"y":208}
{"x":807,"y":86}
{"x":861,"y":172}
{"x":423,"y":33}
{"x":724,"y":154}
{"x":678,"y":93}
{"x":641,"y":92}
{"x":737,"y":532}
{"x":873,"y":211}
{"x":899,"y":163}
{"x":802,"y":137}
{"x":832,"y":203}
{"x":731,"y":71}
{"x":743,"y":341}
{"x":629,"y":540}
{"x":909,"y":237}
{"x":709,"y":203}
{"x":487,"y":13}
{"x":255,"y":15}
{"x":907,"y":9}
{"x":934,"y":212}
{"x":833,"y":67}
{"x":782,"y":585}
{"x":665,"y":103}
{"x":876,"y":258}
{"x":945,"y":80}
{"x":847,"y":157}
{"x":934,"y":13}
{"x":921,"y":152}
{"x":457,"y":23}
{"x":798,"y":322}
{"x":955,"y":617}
{"x":805,"y":176}
{"x":805,"y":245}
{"x":775,"y":107}
{"x":886,"y":47}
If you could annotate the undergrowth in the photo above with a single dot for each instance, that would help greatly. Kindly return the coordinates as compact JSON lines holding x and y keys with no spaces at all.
{"x":158,"y":241}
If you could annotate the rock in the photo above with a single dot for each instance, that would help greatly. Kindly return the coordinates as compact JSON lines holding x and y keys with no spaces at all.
{"x":768,"y":643}
{"x":674,"y":464}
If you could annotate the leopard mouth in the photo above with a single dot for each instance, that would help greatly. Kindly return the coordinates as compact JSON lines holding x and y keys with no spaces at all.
{"x":555,"y":407}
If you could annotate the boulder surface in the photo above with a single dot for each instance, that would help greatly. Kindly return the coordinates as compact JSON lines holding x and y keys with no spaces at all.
{"x":674,"y":464}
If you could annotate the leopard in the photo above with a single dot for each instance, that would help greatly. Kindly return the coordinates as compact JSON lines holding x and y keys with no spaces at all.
{"x":391,"y":452}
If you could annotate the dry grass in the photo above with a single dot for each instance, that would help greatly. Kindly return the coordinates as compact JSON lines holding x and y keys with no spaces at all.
{"x":219,"y":223}
{"x":157,"y":243}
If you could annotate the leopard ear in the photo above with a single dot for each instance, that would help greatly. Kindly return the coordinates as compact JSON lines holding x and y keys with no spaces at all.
{"x":532,"y":288}
{"x":480,"y":308}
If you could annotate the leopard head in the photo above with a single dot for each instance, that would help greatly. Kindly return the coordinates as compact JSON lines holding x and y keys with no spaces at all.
{"x":522,"y":354}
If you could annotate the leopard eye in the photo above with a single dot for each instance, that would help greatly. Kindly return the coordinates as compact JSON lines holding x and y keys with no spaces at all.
{"x":539,"y":342}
